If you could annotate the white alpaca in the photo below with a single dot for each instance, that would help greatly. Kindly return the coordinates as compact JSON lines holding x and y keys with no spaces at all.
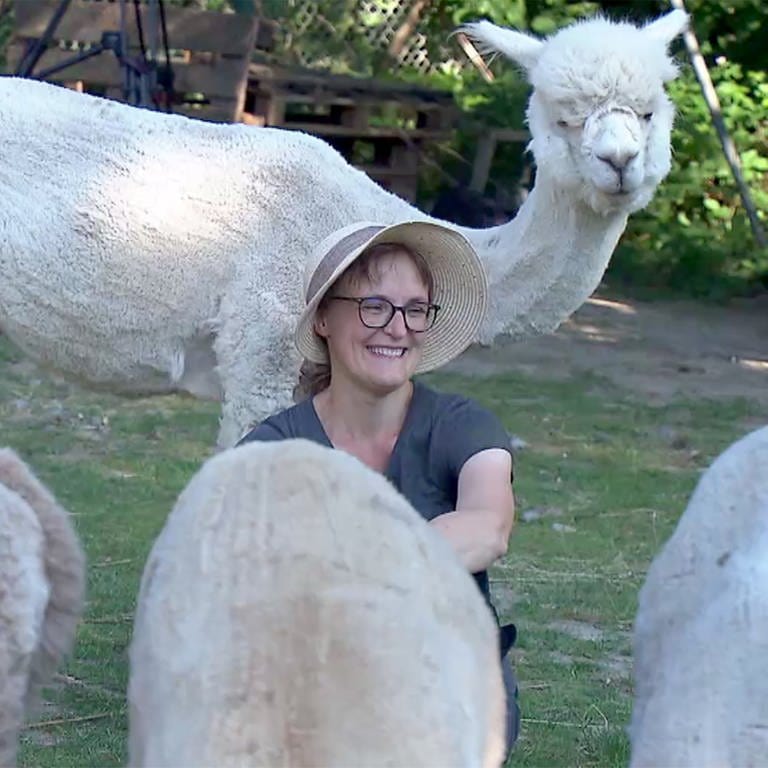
{"x":296,"y":610}
{"x":42,"y":578}
{"x":147,"y":252}
{"x":701,"y":633}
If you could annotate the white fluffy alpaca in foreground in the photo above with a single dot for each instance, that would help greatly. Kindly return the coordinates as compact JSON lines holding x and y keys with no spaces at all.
{"x":42,"y":581}
{"x":147,"y":252}
{"x":296,"y":611}
{"x":701,"y":633}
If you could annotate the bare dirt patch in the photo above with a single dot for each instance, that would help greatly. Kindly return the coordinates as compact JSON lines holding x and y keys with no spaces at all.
{"x":658,"y":350}
{"x":579,"y":630}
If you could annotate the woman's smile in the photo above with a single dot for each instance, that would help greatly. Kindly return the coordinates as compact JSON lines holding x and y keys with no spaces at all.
{"x":391,"y":352}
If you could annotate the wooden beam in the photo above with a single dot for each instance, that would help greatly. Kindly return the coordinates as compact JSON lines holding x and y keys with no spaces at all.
{"x":216,"y":79}
{"x":486,"y":149}
{"x":481,"y":168}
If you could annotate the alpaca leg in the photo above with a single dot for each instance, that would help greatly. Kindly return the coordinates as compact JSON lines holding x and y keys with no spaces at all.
{"x":258,"y":363}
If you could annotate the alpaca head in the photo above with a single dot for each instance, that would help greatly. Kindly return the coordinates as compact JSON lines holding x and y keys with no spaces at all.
{"x":599,"y":117}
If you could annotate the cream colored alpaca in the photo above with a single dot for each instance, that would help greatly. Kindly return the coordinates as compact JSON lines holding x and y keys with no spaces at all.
{"x":146,"y":252}
{"x":296,"y":611}
{"x":42,"y":578}
{"x":701,"y":633}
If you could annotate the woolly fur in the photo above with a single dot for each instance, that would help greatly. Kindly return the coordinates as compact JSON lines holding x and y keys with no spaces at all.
{"x":701,"y":632}
{"x":146,"y":252}
{"x":42,"y":581}
{"x":296,"y":610}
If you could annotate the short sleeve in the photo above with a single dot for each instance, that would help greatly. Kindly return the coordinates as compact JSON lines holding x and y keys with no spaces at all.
{"x":264,"y":432}
{"x":465,"y":428}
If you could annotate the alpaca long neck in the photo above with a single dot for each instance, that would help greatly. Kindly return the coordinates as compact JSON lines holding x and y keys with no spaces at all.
{"x":546,"y":262}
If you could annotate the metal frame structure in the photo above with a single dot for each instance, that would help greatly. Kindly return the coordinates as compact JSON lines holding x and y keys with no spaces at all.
{"x":146,"y":83}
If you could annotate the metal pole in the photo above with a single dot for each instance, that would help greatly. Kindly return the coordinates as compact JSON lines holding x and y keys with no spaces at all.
{"x":153,"y":43}
{"x":123,"y":55}
{"x":28,"y":61}
{"x":729,"y":149}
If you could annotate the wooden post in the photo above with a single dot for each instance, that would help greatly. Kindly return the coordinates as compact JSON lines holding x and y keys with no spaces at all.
{"x":729,"y":149}
{"x":481,"y":169}
{"x":404,"y":33}
{"x":474,"y":56}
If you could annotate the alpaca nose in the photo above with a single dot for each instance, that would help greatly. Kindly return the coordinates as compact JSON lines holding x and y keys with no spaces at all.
{"x":618,"y":159}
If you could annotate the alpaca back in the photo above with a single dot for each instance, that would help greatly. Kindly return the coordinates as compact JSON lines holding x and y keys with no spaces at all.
{"x":295,"y":610}
{"x":701,"y":632}
{"x":41,"y":593}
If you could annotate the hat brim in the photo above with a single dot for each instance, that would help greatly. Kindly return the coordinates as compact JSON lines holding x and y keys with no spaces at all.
{"x":460,"y":288}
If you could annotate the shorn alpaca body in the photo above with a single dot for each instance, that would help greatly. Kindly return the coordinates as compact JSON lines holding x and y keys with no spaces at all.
{"x":296,"y":610}
{"x":701,"y":633}
{"x":146,"y":252}
{"x":42,"y":578}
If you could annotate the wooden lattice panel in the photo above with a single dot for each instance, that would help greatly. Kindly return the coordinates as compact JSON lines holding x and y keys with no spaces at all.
{"x":377,"y":22}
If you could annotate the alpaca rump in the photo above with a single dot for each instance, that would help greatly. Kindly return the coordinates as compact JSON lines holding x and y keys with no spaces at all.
{"x":146,"y":252}
{"x":701,"y":632}
{"x":295,"y":610}
{"x":42,"y":583}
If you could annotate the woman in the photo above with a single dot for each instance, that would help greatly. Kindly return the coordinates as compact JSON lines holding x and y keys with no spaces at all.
{"x":385,"y":303}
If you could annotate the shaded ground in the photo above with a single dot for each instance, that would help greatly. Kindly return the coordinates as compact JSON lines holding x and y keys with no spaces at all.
{"x":659,"y":350}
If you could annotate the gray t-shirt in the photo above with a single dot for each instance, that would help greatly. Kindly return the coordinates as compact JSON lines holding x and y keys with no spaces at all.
{"x":440,"y":432}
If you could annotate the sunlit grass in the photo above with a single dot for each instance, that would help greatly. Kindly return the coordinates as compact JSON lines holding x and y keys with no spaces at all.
{"x":599,"y":487}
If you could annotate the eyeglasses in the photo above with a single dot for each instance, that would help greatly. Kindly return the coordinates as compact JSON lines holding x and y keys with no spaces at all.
{"x":376,"y":312}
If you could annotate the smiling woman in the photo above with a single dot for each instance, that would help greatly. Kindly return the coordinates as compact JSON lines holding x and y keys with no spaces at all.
{"x":384,"y":303}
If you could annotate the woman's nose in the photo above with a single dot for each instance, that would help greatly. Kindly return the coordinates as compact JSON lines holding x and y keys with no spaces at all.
{"x":396,"y":326}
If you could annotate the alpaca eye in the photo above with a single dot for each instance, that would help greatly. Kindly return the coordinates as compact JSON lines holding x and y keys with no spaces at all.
{"x":647,"y":117}
{"x":562,"y":123}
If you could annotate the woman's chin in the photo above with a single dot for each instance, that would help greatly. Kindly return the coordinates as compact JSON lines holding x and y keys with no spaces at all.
{"x":390,"y":376}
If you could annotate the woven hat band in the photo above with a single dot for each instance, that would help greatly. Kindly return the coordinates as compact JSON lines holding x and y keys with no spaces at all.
{"x":336,"y":255}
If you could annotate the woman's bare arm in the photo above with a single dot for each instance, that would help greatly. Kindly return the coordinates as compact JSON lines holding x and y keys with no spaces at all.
{"x":481,"y":524}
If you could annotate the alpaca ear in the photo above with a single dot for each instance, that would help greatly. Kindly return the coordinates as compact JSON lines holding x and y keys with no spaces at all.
{"x":667,"y":27}
{"x":490,"y":38}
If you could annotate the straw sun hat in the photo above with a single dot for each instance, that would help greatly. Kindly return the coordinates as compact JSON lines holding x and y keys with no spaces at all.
{"x":460,"y":284}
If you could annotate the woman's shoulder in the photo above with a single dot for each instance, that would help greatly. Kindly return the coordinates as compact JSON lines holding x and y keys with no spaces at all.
{"x":291,"y":422}
{"x":459,"y":426}
{"x":442,"y":405}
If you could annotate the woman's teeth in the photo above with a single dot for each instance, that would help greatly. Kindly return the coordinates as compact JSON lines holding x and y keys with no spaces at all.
{"x":388,"y":351}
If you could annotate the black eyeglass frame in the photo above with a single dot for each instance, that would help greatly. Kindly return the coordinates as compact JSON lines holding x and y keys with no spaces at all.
{"x":432,"y":309}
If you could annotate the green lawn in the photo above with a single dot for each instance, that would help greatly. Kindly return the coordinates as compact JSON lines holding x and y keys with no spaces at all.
{"x":599,"y":488}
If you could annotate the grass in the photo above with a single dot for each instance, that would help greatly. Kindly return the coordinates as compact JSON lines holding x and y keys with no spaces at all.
{"x":599,"y":488}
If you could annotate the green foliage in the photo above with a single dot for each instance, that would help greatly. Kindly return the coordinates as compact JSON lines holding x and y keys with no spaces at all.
{"x":695,"y":237}
{"x":324,"y":35}
{"x":6,"y":27}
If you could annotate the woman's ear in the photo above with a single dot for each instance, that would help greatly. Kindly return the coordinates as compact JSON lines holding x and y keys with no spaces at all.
{"x":320,"y":324}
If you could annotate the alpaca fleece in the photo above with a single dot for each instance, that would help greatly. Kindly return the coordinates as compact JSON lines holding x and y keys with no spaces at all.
{"x":42,"y":582}
{"x":296,"y":610}
{"x":146,"y":252}
{"x":701,"y":633}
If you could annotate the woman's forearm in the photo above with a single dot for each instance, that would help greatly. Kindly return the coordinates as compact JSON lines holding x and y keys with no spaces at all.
{"x":476,"y":535}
